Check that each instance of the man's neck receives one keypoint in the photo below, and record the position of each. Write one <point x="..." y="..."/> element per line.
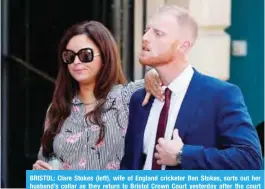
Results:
<point x="169" y="72"/>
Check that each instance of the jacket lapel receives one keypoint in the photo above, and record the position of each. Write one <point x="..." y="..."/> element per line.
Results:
<point x="143" y="117"/>
<point x="143" y="113"/>
<point x="189" y="105"/>
<point x="188" y="109"/>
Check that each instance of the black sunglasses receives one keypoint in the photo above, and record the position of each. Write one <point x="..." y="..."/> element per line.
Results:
<point x="85" y="55"/>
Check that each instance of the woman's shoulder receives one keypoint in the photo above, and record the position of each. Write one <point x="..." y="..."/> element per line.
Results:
<point x="115" y="92"/>
<point x="114" y="97"/>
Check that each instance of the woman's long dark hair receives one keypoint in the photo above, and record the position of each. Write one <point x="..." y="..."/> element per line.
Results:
<point x="66" y="87"/>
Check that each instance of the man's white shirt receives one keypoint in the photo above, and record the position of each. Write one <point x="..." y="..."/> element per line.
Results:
<point x="178" y="88"/>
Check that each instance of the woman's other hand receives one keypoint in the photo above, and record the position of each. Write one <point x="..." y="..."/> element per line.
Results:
<point x="41" y="165"/>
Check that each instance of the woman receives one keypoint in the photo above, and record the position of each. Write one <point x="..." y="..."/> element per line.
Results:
<point x="86" y="122"/>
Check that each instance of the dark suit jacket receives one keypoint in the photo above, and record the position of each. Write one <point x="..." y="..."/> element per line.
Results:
<point x="213" y="123"/>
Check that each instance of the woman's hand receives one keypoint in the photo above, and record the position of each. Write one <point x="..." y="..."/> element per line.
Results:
<point x="153" y="85"/>
<point x="41" y="165"/>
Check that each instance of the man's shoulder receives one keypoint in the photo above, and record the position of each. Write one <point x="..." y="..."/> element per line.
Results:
<point x="214" y="84"/>
<point x="138" y="95"/>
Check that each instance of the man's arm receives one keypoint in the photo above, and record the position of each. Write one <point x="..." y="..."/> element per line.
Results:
<point x="240" y="144"/>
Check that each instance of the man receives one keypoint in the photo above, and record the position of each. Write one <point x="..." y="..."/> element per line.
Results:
<point x="203" y="122"/>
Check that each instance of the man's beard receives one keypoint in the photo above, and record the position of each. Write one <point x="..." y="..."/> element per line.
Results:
<point x="159" y="60"/>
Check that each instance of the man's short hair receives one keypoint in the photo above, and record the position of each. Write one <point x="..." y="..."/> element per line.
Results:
<point x="186" y="22"/>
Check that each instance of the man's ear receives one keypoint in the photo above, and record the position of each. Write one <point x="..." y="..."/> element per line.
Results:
<point x="184" y="47"/>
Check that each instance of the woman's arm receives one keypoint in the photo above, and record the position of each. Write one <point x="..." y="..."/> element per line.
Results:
<point x="151" y="83"/>
<point x="128" y="89"/>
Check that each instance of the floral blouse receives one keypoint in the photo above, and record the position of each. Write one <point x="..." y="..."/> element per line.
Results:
<point x="75" y="146"/>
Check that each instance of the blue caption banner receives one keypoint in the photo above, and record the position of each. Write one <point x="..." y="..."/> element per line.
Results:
<point x="220" y="179"/>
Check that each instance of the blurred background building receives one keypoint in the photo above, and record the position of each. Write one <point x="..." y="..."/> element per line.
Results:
<point x="230" y="47"/>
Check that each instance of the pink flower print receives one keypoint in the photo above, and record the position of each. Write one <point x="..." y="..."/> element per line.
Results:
<point x="124" y="131"/>
<point x="76" y="109"/>
<point x="94" y="128"/>
<point x="113" y="165"/>
<point x="66" y="165"/>
<point x="100" y="144"/>
<point x="82" y="163"/>
<point x="73" y="138"/>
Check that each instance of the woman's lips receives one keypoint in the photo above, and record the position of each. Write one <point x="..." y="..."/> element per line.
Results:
<point x="78" y="70"/>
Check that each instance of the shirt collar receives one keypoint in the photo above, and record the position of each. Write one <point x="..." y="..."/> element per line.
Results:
<point x="181" y="82"/>
<point x="76" y="100"/>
